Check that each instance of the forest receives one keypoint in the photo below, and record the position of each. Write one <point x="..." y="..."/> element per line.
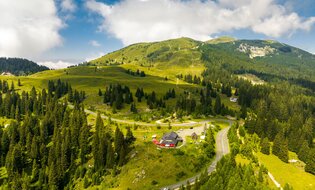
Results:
<point x="281" y="112"/>
<point x="49" y="145"/>
<point x="18" y="66"/>
<point x="198" y="102"/>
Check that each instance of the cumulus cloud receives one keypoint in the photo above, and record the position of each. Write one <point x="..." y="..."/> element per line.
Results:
<point x="94" y="43"/>
<point x="28" y="28"/>
<point x="68" y="5"/>
<point x="56" y="64"/>
<point x="152" y="20"/>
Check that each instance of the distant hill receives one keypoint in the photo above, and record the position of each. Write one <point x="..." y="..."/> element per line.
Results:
<point x="18" y="66"/>
<point x="181" y="52"/>
<point x="267" y="59"/>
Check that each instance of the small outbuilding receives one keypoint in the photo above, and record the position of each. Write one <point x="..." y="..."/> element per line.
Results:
<point x="233" y="99"/>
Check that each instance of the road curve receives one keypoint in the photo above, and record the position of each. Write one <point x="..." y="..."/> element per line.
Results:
<point x="222" y="142"/>
<point x="190" y="124"/>
<point x="222" y="148"/>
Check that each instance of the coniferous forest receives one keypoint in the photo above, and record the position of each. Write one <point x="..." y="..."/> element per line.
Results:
<point x="18" y="66"/>
<point x="49" y="145"/>
<point x="78" y="132"/>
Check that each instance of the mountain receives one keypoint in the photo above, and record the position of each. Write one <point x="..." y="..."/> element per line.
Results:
<point x="182" y="51"/>
<point x="267" y="59"/>
<point x="18" y="66"/>
<point x="92" y="126"/>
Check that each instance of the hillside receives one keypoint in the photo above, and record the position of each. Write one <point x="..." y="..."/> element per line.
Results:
<point x="18" y="66"/>
<point x="146" y="90"/>
<point x="267" y="59"/>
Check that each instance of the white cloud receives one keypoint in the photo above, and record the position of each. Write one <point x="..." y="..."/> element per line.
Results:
<point x="28" y="28"/>
<point x="94" y="43"/>
<point x="68" y="5"/>
<point x="56" y="64"/>
<point x="152" y="20"/>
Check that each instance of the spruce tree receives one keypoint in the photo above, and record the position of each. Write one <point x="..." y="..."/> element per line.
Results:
<point x="110" y="159"/>
<point x="265" y="146"/>
<point x="217" y="105"/>
<point x="280" y="147"/>
<point x="304" y="151"/>
<point x="310" y="162"/>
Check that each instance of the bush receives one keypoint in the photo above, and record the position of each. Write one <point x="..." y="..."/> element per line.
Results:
<point x="154" y="182"/>
<point x="180" y="174"/>
<point x="86" y="183"/>
<point x="179" y="153"/>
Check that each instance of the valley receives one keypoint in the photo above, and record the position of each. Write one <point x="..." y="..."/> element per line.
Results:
<point x="100" y="124"/>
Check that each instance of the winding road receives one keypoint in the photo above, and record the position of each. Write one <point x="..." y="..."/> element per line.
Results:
<point x="222" y="142"/>
<point x="222" y="148"/>
<point x="147" y="124"/>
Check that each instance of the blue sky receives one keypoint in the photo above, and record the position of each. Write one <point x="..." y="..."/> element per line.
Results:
<point x="64" y="32"/>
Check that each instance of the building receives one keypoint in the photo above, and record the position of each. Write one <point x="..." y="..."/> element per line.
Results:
<point x="170" y="140"/>
<point x="233" y="99"/>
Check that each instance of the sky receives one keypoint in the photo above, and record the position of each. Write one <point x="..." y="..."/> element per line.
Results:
<point x="60" y="33"/>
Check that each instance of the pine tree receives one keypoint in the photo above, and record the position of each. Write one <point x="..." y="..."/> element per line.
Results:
<point x="84" y="143"/>
<point x="12" y="87"/>
<point x="96" y="141"/>
<point x="280" y="147"/>
<point x="265" y="146"/>
<point x="110" y="159"/>
<point x="129" y="137"/>
<point x="133" y="108"/>
<point x="217" y="105"/>
<point x="304" y="151"/>
<point x="35" y="172"/>
<point x="310" y="162"/>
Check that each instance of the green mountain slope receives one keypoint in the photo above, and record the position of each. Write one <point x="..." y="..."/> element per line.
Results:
<point x="270" y="55"/>
<point x="267" y="59"/>
<point x="259" y="55"/>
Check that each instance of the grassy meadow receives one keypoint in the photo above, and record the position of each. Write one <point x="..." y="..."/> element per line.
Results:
<point x="290" y="173"/>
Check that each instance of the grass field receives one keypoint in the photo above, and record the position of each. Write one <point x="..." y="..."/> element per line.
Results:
<point x="287" y="173"/>
<point x="151" y="167"/>
<point x="91" y="79"/>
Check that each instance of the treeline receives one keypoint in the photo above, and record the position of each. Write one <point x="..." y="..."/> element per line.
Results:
<point x="5" y="87"/>
<point x="14" y="105"/>
<point x="190" y="78"/>
<point x="136" y="73"/>
<point x="303" y="82"/>
<point x="187" y="103"/>
<point x="18" y="66"/>
<point x="229" y="175"/>
<point x="283" y="116"/>
<point x="198" y="102"/>
<point x="282" y="113"/>
<point x="61" y="88"/>
<point x="116" y="96"/>
<point x="49" y="146"/>
<point x="224" y="88"/>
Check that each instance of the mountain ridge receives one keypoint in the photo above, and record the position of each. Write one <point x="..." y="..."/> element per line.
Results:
<point x="239" y="56"/>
